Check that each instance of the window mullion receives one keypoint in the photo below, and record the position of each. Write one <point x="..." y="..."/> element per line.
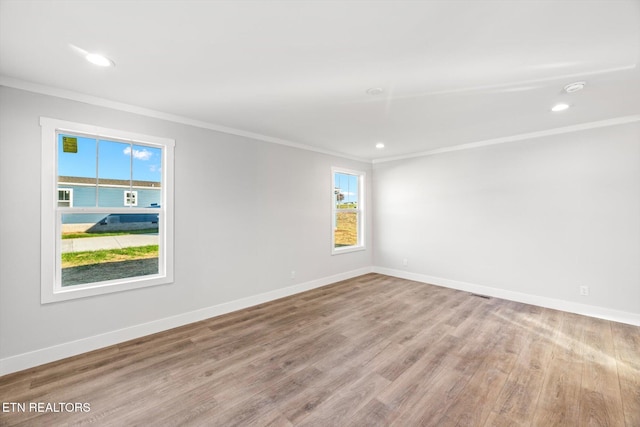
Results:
<point x="97" y="171"/>
<point x="131" y="175"/>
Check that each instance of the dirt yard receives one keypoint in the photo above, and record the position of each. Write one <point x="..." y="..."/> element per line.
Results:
<point x="108" y="271"/>
<point x="346" y="231"/>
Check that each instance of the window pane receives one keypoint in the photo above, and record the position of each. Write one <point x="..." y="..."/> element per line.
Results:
<point x="100" y="247"/>
<point x="147" y="175"/>
<point x="346" y="229"/>
<point x="114" y="172"/>
<point x="77" y="169"/>
<point x="346" y="191"/>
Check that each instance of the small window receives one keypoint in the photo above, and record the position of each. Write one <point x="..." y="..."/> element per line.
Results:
<point x="65" y="197"/>
<point x="131" y="198"/>
<point x="347" y="211"/>
<point x="107" y="210"/>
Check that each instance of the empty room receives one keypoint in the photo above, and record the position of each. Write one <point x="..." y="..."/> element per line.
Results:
<point x="320" y="213"/>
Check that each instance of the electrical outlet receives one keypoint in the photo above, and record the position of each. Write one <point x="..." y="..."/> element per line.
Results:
<point x="405" y="262"/>
<point x="293" y="274"/>
<point x="584" y="290"/>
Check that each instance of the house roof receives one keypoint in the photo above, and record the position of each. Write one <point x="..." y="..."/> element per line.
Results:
<point x="106" y="182"/>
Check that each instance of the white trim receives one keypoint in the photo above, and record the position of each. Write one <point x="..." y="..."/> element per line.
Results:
<point x="121" y="106"/>
<point x="515" y="138"/>
<point x="51" y="289"/>
<point x="49" y="354"/>
<point x="138" y="187"/>
<point x="109" y="210"/>
<point x="107" y="133"/>
<point x="556" y="304"/>
<point x="101" y="102"/>
<point x="347" y="249"/>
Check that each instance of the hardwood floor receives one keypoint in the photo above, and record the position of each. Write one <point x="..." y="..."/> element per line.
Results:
<point x="369" y="351"/>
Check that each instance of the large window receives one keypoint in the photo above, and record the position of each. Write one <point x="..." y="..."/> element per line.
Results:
<point x="347" y="210"/>
<point x="107" y="210"/>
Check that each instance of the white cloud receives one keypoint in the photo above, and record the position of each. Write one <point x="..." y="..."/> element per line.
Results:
<point x="138" y="154"/>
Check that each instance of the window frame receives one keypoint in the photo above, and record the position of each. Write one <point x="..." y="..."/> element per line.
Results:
<point x="135" y="197"/>
<point x="51" y="214"/>
<point x="360" y="211"/>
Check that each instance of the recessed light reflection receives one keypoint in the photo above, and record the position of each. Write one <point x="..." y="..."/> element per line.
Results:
<point x="559" y="107"/>
<point x="99" y="60"/>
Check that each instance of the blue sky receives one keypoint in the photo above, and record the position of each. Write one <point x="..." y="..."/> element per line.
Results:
<point x="348" y="185"/>
<point x="114" y="160"/>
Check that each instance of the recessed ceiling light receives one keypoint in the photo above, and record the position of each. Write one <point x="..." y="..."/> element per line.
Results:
<point x="375" y="91"/>
<point x="559" y="107"/>
<point x="379" y="145"/>
<point x="574" y="87"/>
<point x="100" y="60"/>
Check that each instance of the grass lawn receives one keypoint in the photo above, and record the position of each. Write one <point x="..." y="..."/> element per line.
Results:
<point x="108" y="233"/>
<point x="75" y="259"/>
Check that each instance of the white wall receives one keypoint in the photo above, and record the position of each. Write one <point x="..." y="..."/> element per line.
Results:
<point x="530" y="220"/>
<point x="247" y="212"/>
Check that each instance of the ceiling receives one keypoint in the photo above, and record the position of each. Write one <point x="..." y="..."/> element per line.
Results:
<point x="451" y="72"/>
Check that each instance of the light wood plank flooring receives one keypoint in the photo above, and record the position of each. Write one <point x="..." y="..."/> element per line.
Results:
<point x="370" y="351"/>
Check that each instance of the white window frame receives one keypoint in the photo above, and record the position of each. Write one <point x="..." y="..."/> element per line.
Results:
<point x="135" y="197"/>
<point x="360" y="210"/>
<point x="70" y="190"/>
<point x="51" y="214"/>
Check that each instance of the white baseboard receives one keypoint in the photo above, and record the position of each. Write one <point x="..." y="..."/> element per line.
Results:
<point x="556" y="304"/>
<point x="73" y="348"/>
<point x="68" y="349"/>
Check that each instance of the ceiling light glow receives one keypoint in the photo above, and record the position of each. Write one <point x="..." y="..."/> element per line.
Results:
<point x="559" y="107"/>
<point x="379" y="145"/>
<point x="99" y="60"/>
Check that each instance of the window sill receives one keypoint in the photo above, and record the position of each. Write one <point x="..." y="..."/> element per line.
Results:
<point x="102" y="288"/>
<point x="347" y="249"/>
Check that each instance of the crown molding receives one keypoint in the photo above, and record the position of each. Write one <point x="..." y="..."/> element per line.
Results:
<point x="107" y="103"/>
<point x="520" y="137"/>
<point x="121" y="106"/>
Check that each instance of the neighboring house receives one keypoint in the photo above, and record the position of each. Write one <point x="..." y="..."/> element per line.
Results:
<point x="107" y="193"/>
